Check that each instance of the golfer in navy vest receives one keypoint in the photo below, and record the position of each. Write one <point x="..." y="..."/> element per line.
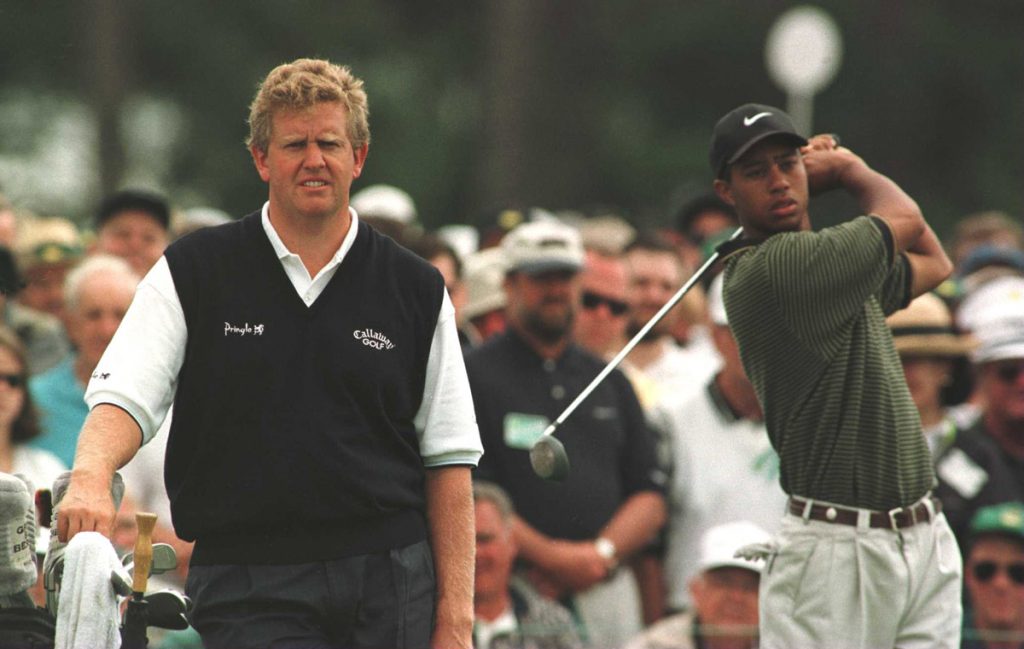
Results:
<point x="323" y="430"/>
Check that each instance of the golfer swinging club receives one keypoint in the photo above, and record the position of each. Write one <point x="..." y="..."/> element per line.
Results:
<point x="864" y="558"/>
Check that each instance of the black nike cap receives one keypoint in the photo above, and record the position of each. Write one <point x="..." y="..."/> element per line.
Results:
<point x="742" y="128"/>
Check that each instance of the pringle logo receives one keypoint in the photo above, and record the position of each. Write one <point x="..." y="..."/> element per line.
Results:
<point x="243" y="330"/>
<point x="373" y="338"/>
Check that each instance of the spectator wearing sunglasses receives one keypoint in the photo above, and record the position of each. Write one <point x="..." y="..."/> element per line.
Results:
<point x="994" y="579"/>
<point x="18" y="420"/>
<point x="969" y="467"/>
<point x="600" y="325"/>
<point x="995" y="315"/>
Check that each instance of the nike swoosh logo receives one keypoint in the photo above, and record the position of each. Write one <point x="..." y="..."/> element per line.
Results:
<point x="747" y="121"/>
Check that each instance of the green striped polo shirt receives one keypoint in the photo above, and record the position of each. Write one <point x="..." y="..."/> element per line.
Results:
<point x="808" y="311"/>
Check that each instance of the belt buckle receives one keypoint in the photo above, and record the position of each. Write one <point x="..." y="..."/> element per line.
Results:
<point x="893" y="513"/>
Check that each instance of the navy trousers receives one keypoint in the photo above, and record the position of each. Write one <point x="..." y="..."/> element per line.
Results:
<point x="382" y="600"/>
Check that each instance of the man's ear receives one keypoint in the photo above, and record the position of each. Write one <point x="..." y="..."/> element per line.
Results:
<point x="724" y="191"/>
<point x="259" y="158"/>
<point x="360" y="159"/>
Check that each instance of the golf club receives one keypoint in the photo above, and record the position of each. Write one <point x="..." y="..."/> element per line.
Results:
<point x="164" y="560"/>
<point x="548" y="456"/>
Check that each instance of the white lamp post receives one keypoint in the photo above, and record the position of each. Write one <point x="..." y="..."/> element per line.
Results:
<point x="802" y="53"/>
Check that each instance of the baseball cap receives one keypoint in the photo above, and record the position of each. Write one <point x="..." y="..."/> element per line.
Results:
<point x="1005" y="518"/>
<point x="925" y="328"/>
<point x="743" y="127"/>
<point x="543" y="246"/>
<point x="994" y="313"/>
<point x="988" y="255"/>
<point x="134" y="200"/>
<point x="384" y="202"/>
<point x="719" y="545"/>
<point x="483" y="273"/>
<point x="51" y="240"/>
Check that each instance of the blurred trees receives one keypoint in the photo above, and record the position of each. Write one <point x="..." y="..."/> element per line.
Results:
<point x="478" y="105"/>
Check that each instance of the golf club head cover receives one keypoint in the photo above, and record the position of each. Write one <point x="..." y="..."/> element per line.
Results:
<point x="18" y="534"/>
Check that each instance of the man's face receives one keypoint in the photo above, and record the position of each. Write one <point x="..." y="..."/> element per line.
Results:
<point x="543" y="304"/>
<point x="103" y="299"/>
<point x="725" y="599"/>
<point x="601" y="323"/>
<point x="996" y="596"/>
<point x="1002" y="385"/>
<point x="654" y="277"/>
<point x="137" y="237"/>
<point x="495" y="552"/>
<point x="768" y="188"/>
<point x="44" y="288"/>
<point x="309" y="162"/>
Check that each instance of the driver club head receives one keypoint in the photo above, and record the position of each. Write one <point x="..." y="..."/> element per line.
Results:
<point x="549" y="459"/>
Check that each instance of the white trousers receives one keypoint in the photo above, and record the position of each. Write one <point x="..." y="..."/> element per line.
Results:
<point x="835" y="586"/>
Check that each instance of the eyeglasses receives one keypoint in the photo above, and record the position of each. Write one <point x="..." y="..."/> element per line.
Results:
<point x="13" y="380"/>
<point x="1008" y="372"/>
<point x="593" y="300"/>
<point x="984" y="571"/>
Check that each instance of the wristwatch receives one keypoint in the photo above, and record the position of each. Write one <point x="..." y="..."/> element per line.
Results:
<point x="606" y="550"/>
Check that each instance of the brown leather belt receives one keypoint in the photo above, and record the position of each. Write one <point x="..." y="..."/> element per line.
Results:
<point x="898" y="518"/>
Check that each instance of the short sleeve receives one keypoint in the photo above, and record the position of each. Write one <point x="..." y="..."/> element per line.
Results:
<point x="821" y="280"/>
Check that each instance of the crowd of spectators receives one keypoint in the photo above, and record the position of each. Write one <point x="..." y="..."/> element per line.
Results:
<point x="672" y="471"/>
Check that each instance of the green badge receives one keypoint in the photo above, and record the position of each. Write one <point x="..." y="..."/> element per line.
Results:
<point x="522" y="430"/>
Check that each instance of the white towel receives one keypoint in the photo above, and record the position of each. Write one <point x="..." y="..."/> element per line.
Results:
<point x="88" y="614"/>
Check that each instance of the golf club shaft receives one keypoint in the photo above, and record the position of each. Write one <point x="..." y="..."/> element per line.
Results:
<point x="637" y="338"/>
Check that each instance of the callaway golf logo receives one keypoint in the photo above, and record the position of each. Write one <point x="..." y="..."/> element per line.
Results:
<point x="373" y="338"/>
<point x="749" y="121"/>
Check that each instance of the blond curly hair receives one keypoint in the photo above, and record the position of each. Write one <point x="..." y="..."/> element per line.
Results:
<point x="302" y="84"/>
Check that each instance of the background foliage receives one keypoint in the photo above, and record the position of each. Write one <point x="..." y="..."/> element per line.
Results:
<point x="478" y="105"/>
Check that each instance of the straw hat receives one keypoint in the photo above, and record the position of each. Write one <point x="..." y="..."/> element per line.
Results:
<point x="51" y="240"/>
<point x="925" y="328"/>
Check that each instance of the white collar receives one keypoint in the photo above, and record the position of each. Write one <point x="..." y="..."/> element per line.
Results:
<point x="282" y="251"/>
<point x="485" y="631"/>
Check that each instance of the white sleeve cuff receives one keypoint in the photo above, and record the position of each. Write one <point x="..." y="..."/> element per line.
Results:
<point x="472" y="458"/>
<point x="143" y="418"/>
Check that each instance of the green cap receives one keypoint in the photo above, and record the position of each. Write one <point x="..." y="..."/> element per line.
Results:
<point x="1006" y="518"/>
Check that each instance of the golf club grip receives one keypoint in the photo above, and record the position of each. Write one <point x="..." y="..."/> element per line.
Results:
<point x="143" y="551"/>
